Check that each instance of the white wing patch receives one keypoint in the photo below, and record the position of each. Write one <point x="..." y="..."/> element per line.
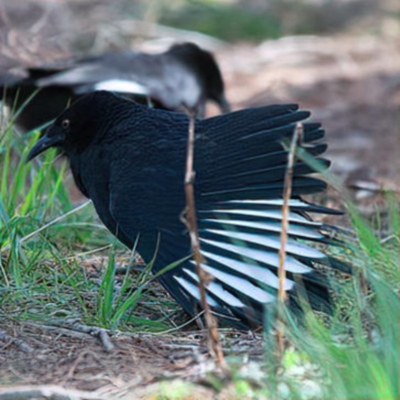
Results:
<point x="122" y="86"/>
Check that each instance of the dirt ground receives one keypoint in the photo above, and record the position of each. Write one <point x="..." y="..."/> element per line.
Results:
<point x="352" y="86"/>
<point x="49" y="355"/>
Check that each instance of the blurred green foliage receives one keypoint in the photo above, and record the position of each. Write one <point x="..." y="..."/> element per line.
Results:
<point x="230" y="22"/>
<point x="259" y="20"/>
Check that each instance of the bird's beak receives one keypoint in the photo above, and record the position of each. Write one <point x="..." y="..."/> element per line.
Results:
<point x="45" y="142"/>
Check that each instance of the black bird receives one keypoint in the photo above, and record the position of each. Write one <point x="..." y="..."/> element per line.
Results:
<point x="130" y="160"/>
<point x="184" y="77"/>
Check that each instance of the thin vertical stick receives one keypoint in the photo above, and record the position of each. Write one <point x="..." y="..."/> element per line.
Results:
<point x="287" y="193"/>
<point x="213" y="341"/>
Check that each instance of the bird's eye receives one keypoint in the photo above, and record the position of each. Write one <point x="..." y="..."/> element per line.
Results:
<point x="65" y="123"/>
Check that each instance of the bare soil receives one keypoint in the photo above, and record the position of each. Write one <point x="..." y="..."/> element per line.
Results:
<point x="41" y="354"/>
<point x="351" y="85"/>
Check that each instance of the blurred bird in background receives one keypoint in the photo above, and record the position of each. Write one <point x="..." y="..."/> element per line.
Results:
<point x="183" y="78"/>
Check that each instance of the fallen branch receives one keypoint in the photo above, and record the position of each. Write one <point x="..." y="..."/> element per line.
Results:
<point x="75" y="329"/>
<point x="25" y="347"/>
<point x="100" y="333"/>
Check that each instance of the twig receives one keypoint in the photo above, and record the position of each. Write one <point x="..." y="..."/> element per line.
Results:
<point x="18" y="342"/>
<point x="105" y="339"/>
<point x="58" y="330"/>
<point x="287" y="194"/>
<point x="46" y="391"/>
<point x="213" y="341"/>
<point x="75" y="329"/>
<point x="100" y="333"/>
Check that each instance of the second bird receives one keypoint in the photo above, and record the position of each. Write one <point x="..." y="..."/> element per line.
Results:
<point x="184" y="78"/>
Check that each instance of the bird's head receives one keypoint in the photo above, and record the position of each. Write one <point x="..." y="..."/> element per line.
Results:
<point x="80" y="125"/>
<point x="203" y="63"/>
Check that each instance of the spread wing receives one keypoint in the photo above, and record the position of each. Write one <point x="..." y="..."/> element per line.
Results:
<point x="240" y="163"/>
